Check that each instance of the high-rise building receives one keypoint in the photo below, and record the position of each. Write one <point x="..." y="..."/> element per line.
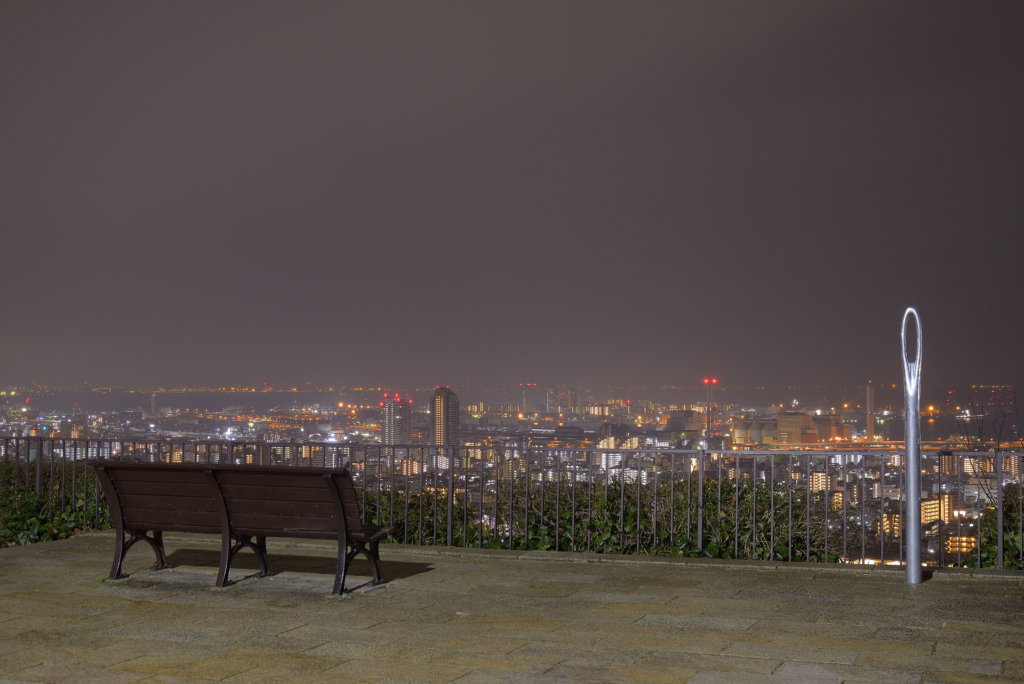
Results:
<point x="937" y="508"/>
<point x="444" y="418"/>
<point x="395" y="419"/>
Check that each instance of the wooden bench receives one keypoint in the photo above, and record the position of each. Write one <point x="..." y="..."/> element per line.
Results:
<point x="243" y="504"/>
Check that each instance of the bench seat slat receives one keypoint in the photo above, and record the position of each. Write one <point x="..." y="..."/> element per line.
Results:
<point x="300" y="509"/>
<point x="171" y="527"/>
<point x="290" y="533"/>
<point x="204" y="504"/>
<point x="283" y="493"/>
<point x="186" y="489"/>
<point x="309" y="480"/>
<point x="148" y="518"/>
<point x="270" y="523"/>
<point x="165" y="475"/>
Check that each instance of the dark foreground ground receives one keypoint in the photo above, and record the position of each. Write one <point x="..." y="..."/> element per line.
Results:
<point x="451" y="615"/>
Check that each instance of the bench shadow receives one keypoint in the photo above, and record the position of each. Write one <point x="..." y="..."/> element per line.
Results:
<point x="245" y="562"/>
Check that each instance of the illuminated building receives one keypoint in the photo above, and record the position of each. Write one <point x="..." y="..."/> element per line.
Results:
<point x="444" y="418"/>
<point x="395" y="419"/>
<point x="830" y="426"/>
<point x="961" y="544"/>
<point x="795" y="428"/>
<point x="411" y="467"/>
<point x="890" y="523"/>
<point x="938" y="508"/>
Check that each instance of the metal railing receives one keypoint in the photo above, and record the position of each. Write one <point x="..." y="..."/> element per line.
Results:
<point x="776" y="505"/>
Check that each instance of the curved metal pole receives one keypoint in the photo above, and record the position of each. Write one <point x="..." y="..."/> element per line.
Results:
<point x="912" y="464"/>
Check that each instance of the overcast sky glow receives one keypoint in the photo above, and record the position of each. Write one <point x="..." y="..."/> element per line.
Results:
<point x="416" y="193"/>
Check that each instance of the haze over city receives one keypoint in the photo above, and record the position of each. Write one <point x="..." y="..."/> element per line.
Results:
<point x="410" y="195"/>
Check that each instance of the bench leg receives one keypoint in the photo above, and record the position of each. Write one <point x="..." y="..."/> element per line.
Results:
<point x="374" y="554"/>
<point x="121" y="546"/>
<point x="261" y="554"/>
<point x="157" y="542"/>
<point x="339" y="576"/>
<point x="228" y="551"/>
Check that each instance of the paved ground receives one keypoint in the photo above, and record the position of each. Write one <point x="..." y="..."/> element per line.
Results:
<point x="494" y="616"/>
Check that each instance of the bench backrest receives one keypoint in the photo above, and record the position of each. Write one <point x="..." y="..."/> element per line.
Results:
<point x="162" y="497"/>
<point x="264" y="501"/>
<point x="286" y="502"/>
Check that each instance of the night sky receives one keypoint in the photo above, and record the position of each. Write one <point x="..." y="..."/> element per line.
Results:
<point x="629" y="193"/>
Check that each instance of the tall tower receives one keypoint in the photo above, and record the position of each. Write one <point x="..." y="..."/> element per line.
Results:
<point x="395" y="419"/>
<point x="445" y="417"/>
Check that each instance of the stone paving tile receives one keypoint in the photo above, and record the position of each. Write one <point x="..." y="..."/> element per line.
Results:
<point x="182" y="666"/>
<point x="701" y="621"/>
<point x="480" y="644"/>
<point x="919" y="648"/>
<point x="50" y="671"/>
<point x="1010" y="631"/>
<point x="17" y="656"/>
<point x="783" y="625"/>
<point x="1014" y="668"/>
<point x="833" y="672"/>
<point x="713" y="677"/>
<point x="596" y="616"/>
<point x="617" y="672"/>
<point x="789" y="652"/>
<point x="960" y="678"/>
<point x="551" y="589"/>
<point x="475" y="661"/>
<point x="319" y="632"/>
<point x="977" y="666"/>
<point x="792" y="595"/>
<point x="583" y="574"/>
<point x="526" y="624"/>
<point x="694" y="642"/>
<point x="955" y="649"/>
<point x="635" y="611"/>
<point x="575" y="633"/>
<point x="730" y="607"/>
<point x="489" y="676"/>
<point x="374" y="670"/>
<point x="651" y="598"/>
<point x="708" y="661"/>
<point x="168" y="679"/>
<point x="579" y="652"/>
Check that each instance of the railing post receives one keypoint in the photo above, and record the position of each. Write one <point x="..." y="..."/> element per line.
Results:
<point x="700" y="500"/>
<point x="912" y="389"/>
<point x="450" y="453"/>
<point x="39" y="466"/>
<point x="999" y="508"/>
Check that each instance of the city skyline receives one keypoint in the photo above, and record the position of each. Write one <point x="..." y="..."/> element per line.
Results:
<point x="411" y="196"/>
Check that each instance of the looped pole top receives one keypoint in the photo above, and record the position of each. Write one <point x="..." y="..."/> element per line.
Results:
<point x="911" y="368"/>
